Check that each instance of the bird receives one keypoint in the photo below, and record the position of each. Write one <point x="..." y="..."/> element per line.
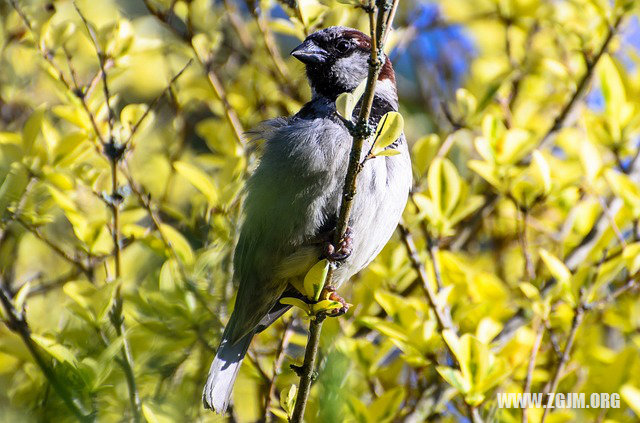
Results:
<point x="292" y="198"/>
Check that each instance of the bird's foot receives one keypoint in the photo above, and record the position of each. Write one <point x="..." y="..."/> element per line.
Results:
<point x="343" y="250"/>
<point x="330" y="293"/>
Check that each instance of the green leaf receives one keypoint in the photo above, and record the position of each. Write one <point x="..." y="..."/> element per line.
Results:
<point x="31" y="128"/>
<point x="149" y="415"/>
<point x="178" y="242"/>
<point x="55" y="350"/>
<point x="288" y="400"/>
<point x="591" y="160"/>
<point x="466" y="101"/>
<point x="198" y="179"/>
<point x="315" y="278"/>
<point x="624" y="187"/>
<point x="492" y="129"/>
<point x="384" y="408"/>
<point x="541" y="171"/>
<point x="529" y="290"/>
<point x="132" y="113"/>
<point x="169" y="274"/>
<point x="631" y="395"/>
<point x="454" y="378"/>
<point x="470" y="205"/>
<point x="556" y="267"/>
<point x="613" y="92"/>
<point x="388" y="152"/>
<point x="423" y="152"/>
<point x="390" y="329"/>
<point x="13" y="186"/>
<point x="631" y="256"/>
<point x="346" y="102"/>
<point x="444" y="184"/>
<point x="21" y="296"/>
<point x="487" y="171"/>
<point x="389" y="130"/>
<point x="325" y="305"/>
<point x="484" y="148"/>
<point x="296" y="302"/>
<point x="513" y="146"/>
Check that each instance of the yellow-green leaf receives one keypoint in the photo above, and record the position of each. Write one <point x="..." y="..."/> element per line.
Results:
<point x="631" y="256"/>
<point x="389" y="130"/>
<point x="54" y="349"/>
<point x="467" y="103"/>
<point x="21" y="296"/>
<point x="178" y="242"/>
<point x="631" y="395"/>
<point x="315" y="278"/>
<point x="591" y="160"/>
<point x="198" y="179"/>
<point x="296" y="302"/>
<point x="556" y="267"/>
<point x="454" y="378"/>
<point x="288" y="400"/>
<point x="541" y="171"/>
<point x="624" y="187"/>
<point x="325" y="305"/>
<point x="345" y="103"/>
<point x="388" y="152"/>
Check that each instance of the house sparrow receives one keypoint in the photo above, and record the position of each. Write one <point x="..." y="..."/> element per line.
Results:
<point x="293" y="197"/>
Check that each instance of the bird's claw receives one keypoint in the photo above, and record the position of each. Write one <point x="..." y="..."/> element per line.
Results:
<point x="344" y="248"/>
<point x="331" y="294"/>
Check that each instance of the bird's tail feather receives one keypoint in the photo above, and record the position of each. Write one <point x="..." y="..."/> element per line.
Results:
<point x="223" y="373"/>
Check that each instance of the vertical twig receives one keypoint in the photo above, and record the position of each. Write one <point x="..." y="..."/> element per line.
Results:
<point x="378" y="28"/>
<point x="532" y="364"/>
<point x="575" y="324"/>
<point x="113" y="151"/>
<point x="583" y="83"/>
<point x="442" y="314"/>
<point x="529" y="267"/>
<point x="287" y="333"/>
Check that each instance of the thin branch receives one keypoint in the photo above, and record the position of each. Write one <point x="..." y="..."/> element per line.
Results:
<point x="155" y="101"/>
<point x="17" y="323"/>
<point x="287" y="333"/>
<point x="575" y="324"/>
<point x="298" y="12"/>
<point x="441" y="317"/>
<point x="101" y="60"/>
<point x="113" y="153"/>
<point x="532" y="364"/>
<point x="629" y="285"/>
<point x="218" y="89"/>
<point x="238" y="26"/>
<point x="58" y="250"/>
<point x="582" y="85"/>
<point x="442" y="314"/>
<point x="267" y="38"/>
<point x="308" y="372"/>
<point x="579" y="254"/>
<point x="612" y="220"/>
<point x="378" y="29"/>
<point x="530" y="269"/>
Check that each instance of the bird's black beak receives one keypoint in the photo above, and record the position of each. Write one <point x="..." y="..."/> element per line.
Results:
<point x="309" y="53"/>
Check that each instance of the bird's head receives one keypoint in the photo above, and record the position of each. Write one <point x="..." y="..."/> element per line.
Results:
<point x="337" y="60"/>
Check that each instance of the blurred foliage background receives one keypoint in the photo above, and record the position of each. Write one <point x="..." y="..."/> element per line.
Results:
<point x="120" y="205"/>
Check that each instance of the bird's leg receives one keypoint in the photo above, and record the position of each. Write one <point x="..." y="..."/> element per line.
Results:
<point x="343" y="250"/>
<point x="329" y="292"/>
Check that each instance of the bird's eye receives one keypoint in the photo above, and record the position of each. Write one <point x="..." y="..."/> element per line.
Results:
<point x="343" y="46"/>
